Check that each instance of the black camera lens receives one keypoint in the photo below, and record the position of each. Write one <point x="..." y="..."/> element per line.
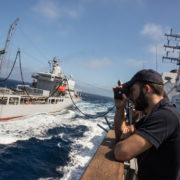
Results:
<point x="119" y="91"/>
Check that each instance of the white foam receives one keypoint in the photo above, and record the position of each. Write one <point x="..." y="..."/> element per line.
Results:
<point x="38" y="125"/>
<point x="81" y="157"/>
<point x="32" y="126"/>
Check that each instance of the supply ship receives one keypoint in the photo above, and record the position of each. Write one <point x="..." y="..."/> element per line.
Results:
<point x="51" y="92"/>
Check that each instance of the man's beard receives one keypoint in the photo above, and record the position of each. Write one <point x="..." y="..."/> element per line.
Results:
<point x="141" y="102"/>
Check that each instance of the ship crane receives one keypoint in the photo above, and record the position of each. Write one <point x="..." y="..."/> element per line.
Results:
<point x="4" y="51"/>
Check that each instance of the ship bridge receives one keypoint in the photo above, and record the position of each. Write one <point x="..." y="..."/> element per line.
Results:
<point x="50" y="80"/>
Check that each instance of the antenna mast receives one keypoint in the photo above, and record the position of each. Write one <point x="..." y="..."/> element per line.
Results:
<point x="171" y="47"/>
<point x="4" y="51"/>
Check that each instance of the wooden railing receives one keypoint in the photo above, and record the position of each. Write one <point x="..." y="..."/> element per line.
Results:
<point x="103" y="166"/>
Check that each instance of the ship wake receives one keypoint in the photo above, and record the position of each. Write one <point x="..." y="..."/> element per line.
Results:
<point x="52" y="146"/>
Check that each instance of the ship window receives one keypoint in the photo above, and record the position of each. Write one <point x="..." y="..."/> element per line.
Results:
<point x="52" y="101"/>
<point x="22" y="101"/>
<point x="13" y="100"/>
<point x="3" y="100"/>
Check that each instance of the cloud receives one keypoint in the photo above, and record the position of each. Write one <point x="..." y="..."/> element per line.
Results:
<point x="136" y="63"/>
<point x="96" y="63"/>
<point x="139" y="2"/>
<point x="73" y="12"/>
<point x="48" y="9"/>
<point x="53" y="9"/>
<point x="154" y="31"/>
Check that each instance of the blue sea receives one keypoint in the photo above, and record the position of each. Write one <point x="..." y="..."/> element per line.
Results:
<point x="53" y="146"/>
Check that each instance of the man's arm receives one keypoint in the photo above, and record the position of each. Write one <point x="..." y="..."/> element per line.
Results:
<point x="131" y="147"/>
<point x="119" y="121"/>
<point x="122" y="130"/>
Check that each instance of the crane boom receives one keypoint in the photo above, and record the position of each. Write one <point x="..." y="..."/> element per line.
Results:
<point x="4" y="51"/>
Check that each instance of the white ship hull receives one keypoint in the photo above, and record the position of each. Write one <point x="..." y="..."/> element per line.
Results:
<point x="8" y="112"/>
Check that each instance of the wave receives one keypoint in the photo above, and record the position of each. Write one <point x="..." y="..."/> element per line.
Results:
<point x="52" y="146"/>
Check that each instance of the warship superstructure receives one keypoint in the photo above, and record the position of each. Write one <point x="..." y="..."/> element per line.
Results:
<point x="172" y="78"/>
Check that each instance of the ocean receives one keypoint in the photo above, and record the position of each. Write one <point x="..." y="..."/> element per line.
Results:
<point x="53" y="146"/>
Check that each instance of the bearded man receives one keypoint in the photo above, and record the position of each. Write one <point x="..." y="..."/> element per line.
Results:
<point x="155" y="139"/>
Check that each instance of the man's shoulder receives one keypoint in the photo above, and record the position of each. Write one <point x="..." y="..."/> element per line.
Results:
<point x="163" y="114"/>
<point x="166" y="111"/>
<point x="167" y="117"/>
<point x="159" y="125"/>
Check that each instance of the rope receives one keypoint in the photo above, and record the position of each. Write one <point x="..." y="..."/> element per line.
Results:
<point x="87" y="115"/>
<point x="22" y="74"/>
<point x="11" y="70"/>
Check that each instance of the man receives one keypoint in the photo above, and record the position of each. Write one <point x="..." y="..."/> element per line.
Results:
<point x="154" y="139"/>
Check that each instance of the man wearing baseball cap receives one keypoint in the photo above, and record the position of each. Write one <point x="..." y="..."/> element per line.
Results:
<point x="155" y="139"/>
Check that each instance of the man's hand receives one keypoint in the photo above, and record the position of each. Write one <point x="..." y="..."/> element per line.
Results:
<point x="126" y="130"/>
<point x="120" y="103"/>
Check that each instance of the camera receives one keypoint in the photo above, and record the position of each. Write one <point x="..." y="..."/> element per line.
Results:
<point x="118" y="91"/>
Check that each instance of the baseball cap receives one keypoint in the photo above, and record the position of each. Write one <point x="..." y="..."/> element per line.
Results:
<point x="145" y="75"/>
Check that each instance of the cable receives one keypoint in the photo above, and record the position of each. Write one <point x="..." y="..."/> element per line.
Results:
<point x="22" y="74"/>
<point x="11" y="69"/>
<point x="87" y="115"/>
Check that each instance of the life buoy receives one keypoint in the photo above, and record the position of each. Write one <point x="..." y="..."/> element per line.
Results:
<point x="62" y="88"/>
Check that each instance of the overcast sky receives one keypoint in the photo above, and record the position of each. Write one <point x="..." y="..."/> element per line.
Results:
<point x="98" y="41"/>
